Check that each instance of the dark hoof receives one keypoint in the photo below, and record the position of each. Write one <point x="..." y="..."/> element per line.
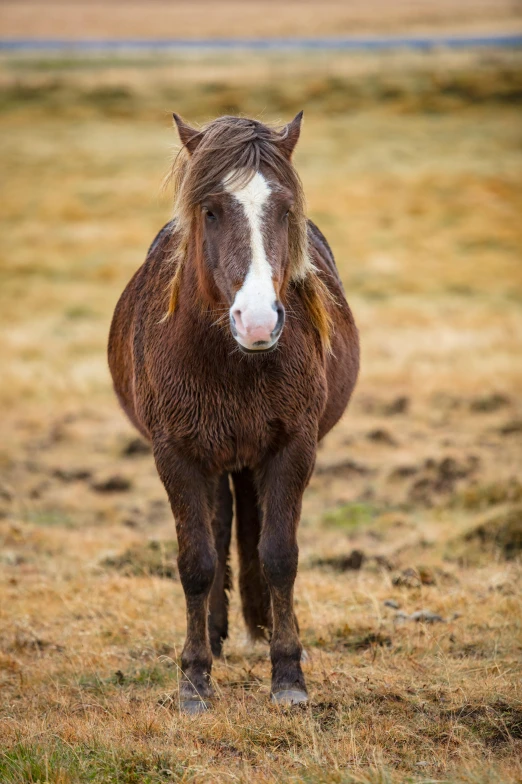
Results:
<point x="194" y="706"/>
<point x="290" y="697"/>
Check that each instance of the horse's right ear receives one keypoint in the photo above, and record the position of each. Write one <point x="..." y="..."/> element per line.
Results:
<point x="290" y="135"/>
<point x="190" y="137"/>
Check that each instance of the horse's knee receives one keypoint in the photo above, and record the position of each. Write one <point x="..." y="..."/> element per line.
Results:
<point x="279" y="562"/>
<point x="197" y="568"/>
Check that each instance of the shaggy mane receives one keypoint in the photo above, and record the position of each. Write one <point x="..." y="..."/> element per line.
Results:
<point x="241" y="146"/>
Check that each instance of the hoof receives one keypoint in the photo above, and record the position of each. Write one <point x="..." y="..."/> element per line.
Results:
<point x="290" y="697"/>
<point x="194" y="706"/>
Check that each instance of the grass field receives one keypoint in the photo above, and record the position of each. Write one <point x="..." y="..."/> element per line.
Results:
<point x="412" y="167"/>
<point x="251" y="18"/>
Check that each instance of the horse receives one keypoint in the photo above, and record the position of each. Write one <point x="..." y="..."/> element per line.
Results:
<point x="233" y="351"/>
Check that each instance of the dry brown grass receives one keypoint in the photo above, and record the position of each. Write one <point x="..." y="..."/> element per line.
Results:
<point x="420" y="195"/>
<point x="252" y="18"/>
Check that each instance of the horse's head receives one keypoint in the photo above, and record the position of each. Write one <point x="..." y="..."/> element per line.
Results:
<point x="240" y="198"/>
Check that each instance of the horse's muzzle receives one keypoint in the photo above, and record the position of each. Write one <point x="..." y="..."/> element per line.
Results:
<point x="260" y="337"/>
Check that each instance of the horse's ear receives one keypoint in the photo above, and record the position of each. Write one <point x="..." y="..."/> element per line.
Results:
<point x="290" y="135"/>
<point x="190" y="137"/>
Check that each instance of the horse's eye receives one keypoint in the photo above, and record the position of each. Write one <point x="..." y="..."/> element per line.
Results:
<point x="209" y="214"/>
<point x="287" y="213"/>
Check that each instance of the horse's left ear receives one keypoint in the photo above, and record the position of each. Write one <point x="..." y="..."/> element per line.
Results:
<point x="290" y="135"/>
<point x="189" y="137"/>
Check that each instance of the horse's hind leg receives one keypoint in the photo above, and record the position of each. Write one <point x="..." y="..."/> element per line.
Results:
<point x="255" y="596"/>
<point x="222" y="529"/>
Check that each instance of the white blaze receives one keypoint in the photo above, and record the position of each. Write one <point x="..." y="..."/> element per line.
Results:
<point x="256" y="297"/>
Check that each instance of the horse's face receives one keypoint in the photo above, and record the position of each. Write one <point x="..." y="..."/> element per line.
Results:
<point x="246" y="242"/>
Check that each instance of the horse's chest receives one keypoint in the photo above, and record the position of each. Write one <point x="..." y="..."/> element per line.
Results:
<point x="234" y="423"/>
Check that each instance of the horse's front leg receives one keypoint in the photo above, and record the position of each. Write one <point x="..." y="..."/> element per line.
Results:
<point x="281" y="485"/>
<point x="192" y="496"/>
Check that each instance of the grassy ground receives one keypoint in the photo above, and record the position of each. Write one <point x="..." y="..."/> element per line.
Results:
<point x="252" y="18"/>
<point x="412" y="168"/>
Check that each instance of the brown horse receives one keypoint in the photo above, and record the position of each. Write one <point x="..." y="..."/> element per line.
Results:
<point x="233" y="399"/>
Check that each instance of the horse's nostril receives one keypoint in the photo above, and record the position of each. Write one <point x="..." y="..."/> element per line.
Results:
<point x="236" y="318"/>
<point x="279" y="309"/>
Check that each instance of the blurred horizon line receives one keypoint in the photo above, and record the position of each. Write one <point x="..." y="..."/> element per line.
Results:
<point x="349" y="43"/>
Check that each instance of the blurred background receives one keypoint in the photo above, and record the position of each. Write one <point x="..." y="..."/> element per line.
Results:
<point x="411" y="158"/>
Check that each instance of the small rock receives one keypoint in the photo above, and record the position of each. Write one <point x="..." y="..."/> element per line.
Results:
<point x="426" y="616"/>
<point x="391" y="603"/>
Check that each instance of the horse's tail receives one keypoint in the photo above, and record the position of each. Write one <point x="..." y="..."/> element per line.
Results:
<point x="255" y="596"/>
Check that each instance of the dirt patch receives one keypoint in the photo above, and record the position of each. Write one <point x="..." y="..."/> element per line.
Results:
<point x="511" y="428"/>
<point x="397" y="405"/>
<point x="72" y="474"/>
<point x="136" y="447"/>
<point x="487" y="403"/>
<point x="342" y="563"/>
<point x="439" y="478"/>
<point x="381" y="436"/>
<point x="346" y="468"/>
<point x="113" y="484"/>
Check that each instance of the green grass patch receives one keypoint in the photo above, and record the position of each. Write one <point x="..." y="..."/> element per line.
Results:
<point x="351" y="516"/>
<point x="58" y="762"/>
<point x="50" y="518"/>
<point x="158" y="673"/>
